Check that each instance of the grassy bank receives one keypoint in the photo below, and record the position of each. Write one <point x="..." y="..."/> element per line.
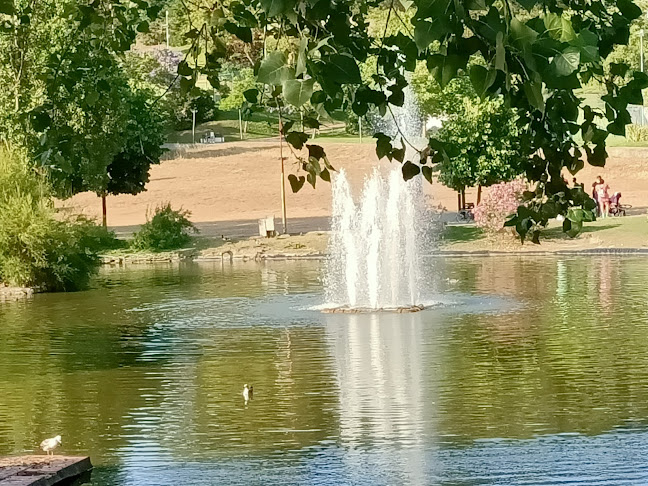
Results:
<point x="624" y="232"/>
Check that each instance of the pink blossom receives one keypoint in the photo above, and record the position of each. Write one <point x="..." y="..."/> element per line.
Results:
<point x="499" y="202"/>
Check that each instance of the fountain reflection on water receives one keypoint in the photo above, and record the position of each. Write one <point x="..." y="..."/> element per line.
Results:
<point x="376" y="242"/>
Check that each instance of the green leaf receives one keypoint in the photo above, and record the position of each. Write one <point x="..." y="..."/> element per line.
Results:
<point x="186" y="84"/>
<point x="298" y="91"/>
<point x="427" y="32"/>
<point x="297" y="139"/>
<point x="318" y="97"/>
<point x="40" y="120"/>
<point x="521" y="34"/>
<point x="628" y="9"/>
<point x="426" y="170"/>
<point x="7" y="7"/>
<point x="301" y="56"/>
<point x="143" y="27"/>
<point x="343" y="69"/>
<point x="243" y="33"/>
<point x="559" y="28"/>
<point x="444" y="68"/>
<point x="296" y="183"/>
<point x="566" y="62"/>
<point x="619" y="68"/>
<point x="572" y="228"/>
<point x="310" y="122"/>
<point x="500" y="52"/>
<point x="533" y="91"/>
<point x="575" y="215"/>
<point x="383" y="145"/>
<point x="410" y="170"/>
<point x="325" y="175"/>
<point x="251" y="95"/>
<point x="398" y="154"/>
<point x="481" y="78"/>
<point x="316" y="152"/>
<point x="92" y="97"/>
<point x="273" y="69"/>
<point x="184" y="69"/>
<point x="276" y="7"/>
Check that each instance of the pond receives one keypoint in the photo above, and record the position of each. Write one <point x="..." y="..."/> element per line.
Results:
<point x="524" y="371"/>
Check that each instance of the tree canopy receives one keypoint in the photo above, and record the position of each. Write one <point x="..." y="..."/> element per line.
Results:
<point x="530" y="54"/>
<point x="71" y="105"/>
<point x="482" y="145"/>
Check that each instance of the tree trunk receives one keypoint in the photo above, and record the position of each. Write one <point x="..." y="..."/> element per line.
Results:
<point x="478" y="194"/>
<point x="463" y="198"/>
<point x="458" y="200"/>
<point x="104" y="218"/>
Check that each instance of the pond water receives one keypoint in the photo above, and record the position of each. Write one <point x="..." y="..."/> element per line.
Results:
<point x="527" y="371"/>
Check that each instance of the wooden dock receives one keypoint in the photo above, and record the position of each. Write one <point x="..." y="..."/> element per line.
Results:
<point x="42" y="470"/>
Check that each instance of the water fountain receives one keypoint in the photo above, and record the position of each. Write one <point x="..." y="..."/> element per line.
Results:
<point x="375" y="243"/>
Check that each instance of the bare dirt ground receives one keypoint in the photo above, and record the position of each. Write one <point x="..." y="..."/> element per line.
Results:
<point x="238" y="182"/>
<point x="228" y="186"/>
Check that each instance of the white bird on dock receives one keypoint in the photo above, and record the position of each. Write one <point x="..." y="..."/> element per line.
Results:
<point x="246" y="393"/>
<point x="48" y="445"/>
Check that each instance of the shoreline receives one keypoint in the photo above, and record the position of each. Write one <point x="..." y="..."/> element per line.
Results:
<point x="314" y="246"/>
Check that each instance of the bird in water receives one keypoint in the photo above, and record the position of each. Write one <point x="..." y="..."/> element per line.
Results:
<point x="48" y="445"/>
<point x="246" y="393"/>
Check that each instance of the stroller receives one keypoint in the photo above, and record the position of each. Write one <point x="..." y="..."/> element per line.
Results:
<point x="616" y="208"/>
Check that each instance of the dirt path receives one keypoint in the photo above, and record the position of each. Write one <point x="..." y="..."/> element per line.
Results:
<point x="239" y="182"/>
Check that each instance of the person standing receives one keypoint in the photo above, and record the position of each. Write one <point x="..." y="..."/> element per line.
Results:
<point x="602" y="196"/>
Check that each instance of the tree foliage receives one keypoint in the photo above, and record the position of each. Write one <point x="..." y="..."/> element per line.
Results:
<point x="482" y="145"/>
<point x="71" y="104"/>
<point x="531" y="54"/>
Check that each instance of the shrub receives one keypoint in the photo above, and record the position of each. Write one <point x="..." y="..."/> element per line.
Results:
<point x="179" y="108"/>
<point x="168" y="229"/>
<point x="499" y="202"/>
<point x="36" y="248"/>
<point x="637" y="133"/>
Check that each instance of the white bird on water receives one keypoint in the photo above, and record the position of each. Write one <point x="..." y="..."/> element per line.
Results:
<point x="246" y="393"/>
<point x="48" y="445"/>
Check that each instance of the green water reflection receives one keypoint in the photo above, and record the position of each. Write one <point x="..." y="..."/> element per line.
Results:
<point x="146" y="370"/>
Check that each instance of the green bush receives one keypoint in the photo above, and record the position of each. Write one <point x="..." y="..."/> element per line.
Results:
<point x="637" y="133"/>
<point x="169" y="229"/>
<point x="36" y="248"/>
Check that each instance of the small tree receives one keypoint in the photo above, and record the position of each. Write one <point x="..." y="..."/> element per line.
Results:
<point x="483" y="146"/>
<point x="129" y="171"/>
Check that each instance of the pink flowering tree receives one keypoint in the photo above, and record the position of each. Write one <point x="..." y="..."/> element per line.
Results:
<point x="501" y="201"/>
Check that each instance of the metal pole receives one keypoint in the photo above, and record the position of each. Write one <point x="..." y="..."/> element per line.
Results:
<point x="360" y="128"/>
<point x="193" y="126"/>
<point x="641" y="50"/>
<point x="167" y="28"/>
<point x="283" y="178"/>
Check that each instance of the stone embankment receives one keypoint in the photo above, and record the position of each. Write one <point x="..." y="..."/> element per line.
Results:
<point x="282" y="247"/>
<point x="14" y="293"/>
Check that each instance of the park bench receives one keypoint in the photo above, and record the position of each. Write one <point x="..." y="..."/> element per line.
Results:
<point x="212" y="137"/>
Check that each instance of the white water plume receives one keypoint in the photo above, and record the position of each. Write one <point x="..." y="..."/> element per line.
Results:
<point x="374" y="249"/>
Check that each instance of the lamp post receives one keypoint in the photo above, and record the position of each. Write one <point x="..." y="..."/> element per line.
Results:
<point x="641" y="62"/>
<point x="193" y="126"/>
<point x="166" y="23"/>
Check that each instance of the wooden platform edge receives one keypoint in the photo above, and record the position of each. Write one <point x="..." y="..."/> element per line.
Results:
<point x="43" y="471"/>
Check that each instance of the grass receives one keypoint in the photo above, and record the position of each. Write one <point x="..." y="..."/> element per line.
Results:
<point x="623" y="232"/>
<point x="262" y="125"/>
